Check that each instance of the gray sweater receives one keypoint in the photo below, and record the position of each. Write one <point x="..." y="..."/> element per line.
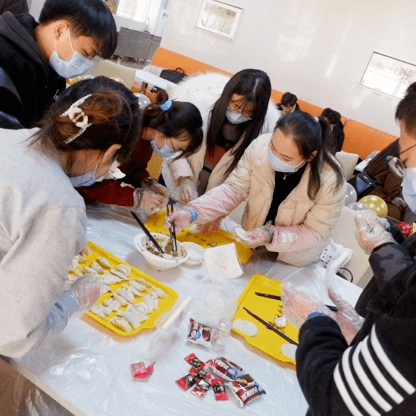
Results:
<point x="42" y="227"/>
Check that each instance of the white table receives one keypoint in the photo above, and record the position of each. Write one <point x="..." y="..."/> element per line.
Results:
<point x="88" y="372"/>
<point x="152" y="79"/>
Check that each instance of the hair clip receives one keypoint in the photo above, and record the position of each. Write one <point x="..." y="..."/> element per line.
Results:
<point x="166" y="105"/>
<point x="78" y="117"/>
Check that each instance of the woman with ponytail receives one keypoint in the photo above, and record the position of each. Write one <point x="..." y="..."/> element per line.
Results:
<point x="294" y="188"/>
<point x="82" y="138"/>
<point x="171" y="129"/>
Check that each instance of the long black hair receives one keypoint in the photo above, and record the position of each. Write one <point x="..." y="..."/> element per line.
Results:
<point x="311" y="134"/>
<point x="254" y="85"/>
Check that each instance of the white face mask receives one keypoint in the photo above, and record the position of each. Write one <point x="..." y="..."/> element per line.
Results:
<point x="409" y="188"/>
<point x="279" y="165"/>
<point x="89" y="178"/>
<point x="76" y="65"/>
<point x="234" y="117"/>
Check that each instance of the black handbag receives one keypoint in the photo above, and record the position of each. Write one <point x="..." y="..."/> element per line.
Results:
<point x="363" y="183"/>
<point x="173" y="75"/>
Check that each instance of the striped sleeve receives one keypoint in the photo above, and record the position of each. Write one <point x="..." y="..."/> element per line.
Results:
<point x="368" y="381"/>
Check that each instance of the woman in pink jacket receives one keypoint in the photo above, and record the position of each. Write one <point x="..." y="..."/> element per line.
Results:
<point x="294" y="188"/>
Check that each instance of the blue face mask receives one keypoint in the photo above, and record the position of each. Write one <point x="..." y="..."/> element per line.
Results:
<point x="164" y="151"/>
<point x="235" y="117"/>
<point x="76" y="65"/>
<point x="89" y="178"/>
<point x="279" y="165"/>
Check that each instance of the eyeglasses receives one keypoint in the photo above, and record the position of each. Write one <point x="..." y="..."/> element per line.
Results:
<point x="396" y="164"/>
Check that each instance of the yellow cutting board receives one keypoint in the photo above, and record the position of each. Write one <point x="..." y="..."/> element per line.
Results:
<point x="165" y="304"/>
<point x="155" y="223"/>
<point x="268" y="309"/>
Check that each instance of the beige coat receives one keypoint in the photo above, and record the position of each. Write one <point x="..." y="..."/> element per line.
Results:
<point x="254" y="180"/>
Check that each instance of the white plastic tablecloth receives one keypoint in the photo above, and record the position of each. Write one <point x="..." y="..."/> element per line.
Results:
<point x="88" y="372"/>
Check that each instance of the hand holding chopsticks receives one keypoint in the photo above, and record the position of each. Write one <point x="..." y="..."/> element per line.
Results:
<point x="147" y="232"/>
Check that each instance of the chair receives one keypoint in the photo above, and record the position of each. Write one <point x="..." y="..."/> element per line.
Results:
<point x="344" y="234"/>
<point x="133" y="44"/>
<point x="114" y="70"/>
<point x="348" y="161"/>
<point x="11" y="107"/>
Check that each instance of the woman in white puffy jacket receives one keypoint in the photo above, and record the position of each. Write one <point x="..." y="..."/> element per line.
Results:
<point x="234" y="112"/>
<point x="294" y="188"/>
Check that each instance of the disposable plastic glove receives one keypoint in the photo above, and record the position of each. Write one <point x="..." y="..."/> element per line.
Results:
<point x="369" y="217"/>
<point x="259" y="236"/>
<point x="187" y="190"/>
<point x="348" y="319"/>
<point x="371" y="236"/>
<point x="209" y="227"/>
<point x="297" y="306"/>
<point x="182" y="219"/>
<point x="87" y="291"/>
<point x="148" y="200"/>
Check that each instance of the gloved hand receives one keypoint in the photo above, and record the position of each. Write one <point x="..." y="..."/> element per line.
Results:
<point x="187" y="190"/>
<point x="348" y="319"/>
<point x="209" y="227"/>
<point x="369" y="217"/>
<point x="148" y="200"/>
<point x="87" y="291"/>
<point x="370" y="236"/>
<point x="297" y="306"/>
<point x="259" y="236"/>
<point x="182" y="219"/>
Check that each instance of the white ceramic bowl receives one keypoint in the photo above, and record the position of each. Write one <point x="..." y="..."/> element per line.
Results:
<point x="195" y="252"/>
<point x="156" y="262"/>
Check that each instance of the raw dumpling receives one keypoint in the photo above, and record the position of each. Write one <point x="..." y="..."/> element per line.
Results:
<point x="108" y="278"/>
<point x="131" y="317"/>
<point x="151" y="301"/>
<point x="158" y="292"/>
<point x="112" y="303"/>
<point x="133" y="309"/>
<point x="96" y="267"/>
<point x="144" y="282"/>
<point x="104" y="289"/>
<point x="280" y="321"/>
<point x="126" y="294"/>
<point x="88" y="270"/>
<point x="123" y="268"/>
<point x="134" y="290"/>
<point x="101" y="310"/>
<point x="137" y="285"/>
<point x="143" y="308"/>
<point x="121" y="323"/>
<point x="117" y="273"/>
<point x="74" y="263"/>
<point x="120" y="299"/>
<point x="104" y="262"/>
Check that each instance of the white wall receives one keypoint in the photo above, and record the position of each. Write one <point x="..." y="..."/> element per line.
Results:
<point x="317" y="49"/>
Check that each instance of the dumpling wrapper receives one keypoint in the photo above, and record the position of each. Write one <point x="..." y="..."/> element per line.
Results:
<point x="108" y="278"/>
<point x="289" y="350"/>
<point x="133" y="290"/>
<point x="137" y="285"/>
<point x="141" y="315"/>
<point x="112" y="303"/>
<point x="158" y="292"/>
<point x="123" y="268"/>
<point x="102" y="311"/>
<point x="126" y="294"/>
<point x="104" y="262"/>
<point x="246" y="327"/>
<point x="132" y="318"/>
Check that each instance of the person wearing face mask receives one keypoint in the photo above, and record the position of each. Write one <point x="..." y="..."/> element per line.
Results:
<point x="234" y="111"/>
<point x="43" y="220"/>
<point x="171" y="129"/>
<point x="288" y="103"/>
<point x="370" y="368"/>
<point x="39" y="56"/>
<point x="295" y="191"/>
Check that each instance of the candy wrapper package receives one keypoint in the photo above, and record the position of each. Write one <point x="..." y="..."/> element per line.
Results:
<point x="195" y="362"/>
<point x="201" y="389"/>
<point x="225" y="368"/>
<point x="200" y="334"/>
<point x="141" y="371"/>
<point x="186" y="382"/>
<point x="219" y="389"/>
<point x="245" y="389"/>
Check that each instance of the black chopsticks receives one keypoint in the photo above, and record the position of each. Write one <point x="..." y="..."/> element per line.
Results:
<point x="271" y="327"/>
<point x="172" y="231"/>
<point x="276" y="297"/>
<point x="147" y="232"/>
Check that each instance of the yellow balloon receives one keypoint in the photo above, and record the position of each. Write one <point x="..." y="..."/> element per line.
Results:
<point x="375" y="203"/>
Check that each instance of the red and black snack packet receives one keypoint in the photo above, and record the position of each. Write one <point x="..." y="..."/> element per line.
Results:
<point x="201" y="388"/>
<point x="186" y="382"/>
<point x="245" y="391"/>
<point x="225" y="368"/>
<point x="200" y="374"/>
<point x="200" y="334"/>
<point x="219" y="389"/>
<point x="195" y="361"/>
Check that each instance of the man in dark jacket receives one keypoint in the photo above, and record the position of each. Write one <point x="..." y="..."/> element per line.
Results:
<point x="38" y="57"/>
<point x="376" y="373"/>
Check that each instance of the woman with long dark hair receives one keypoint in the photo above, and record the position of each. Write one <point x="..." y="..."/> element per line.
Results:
<point x="235" y="111"/>
<point x="294" y="188"/>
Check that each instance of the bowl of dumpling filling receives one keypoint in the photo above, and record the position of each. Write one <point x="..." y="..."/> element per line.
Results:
<point x="157" y="260"/>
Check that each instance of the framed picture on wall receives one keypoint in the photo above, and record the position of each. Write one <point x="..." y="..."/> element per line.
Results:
<point x="388" y="75"/>
<point x="219" y="18"/>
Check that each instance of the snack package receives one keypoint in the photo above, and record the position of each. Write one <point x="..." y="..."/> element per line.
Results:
<point x="141" y="371"/>
<point x="201" y="388"/>
<point x="186" y="382"/>
<point x="200" y="374"/>
<point x="195" y="361"/>
<point x="219" y="389"/>
<point x="225" y="368"/>
<point x="245" y="389"/>
<point x="200" y="334"/>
